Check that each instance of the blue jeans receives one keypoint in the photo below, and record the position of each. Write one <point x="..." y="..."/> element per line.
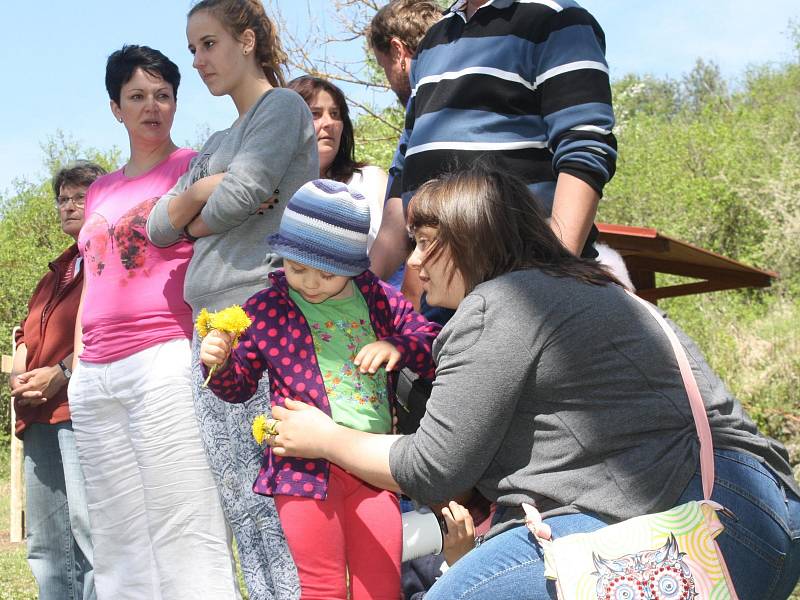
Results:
<point x="761" y="549"/>
<point x="59" y="544"/>
<point x="762" y="546"/>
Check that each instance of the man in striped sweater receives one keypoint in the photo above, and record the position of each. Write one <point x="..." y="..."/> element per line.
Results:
<point x="524" y="82"/>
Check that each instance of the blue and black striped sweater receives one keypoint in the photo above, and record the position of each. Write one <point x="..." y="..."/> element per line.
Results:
<point x="525" y="81"/>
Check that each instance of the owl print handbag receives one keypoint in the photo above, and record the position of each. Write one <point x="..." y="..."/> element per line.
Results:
<point x="670" y="555"/>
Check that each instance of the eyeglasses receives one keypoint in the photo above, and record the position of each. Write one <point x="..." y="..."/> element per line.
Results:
<point x="78" y="200"/>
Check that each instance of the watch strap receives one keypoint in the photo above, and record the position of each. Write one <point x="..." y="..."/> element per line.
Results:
<point x="66" y="370"/>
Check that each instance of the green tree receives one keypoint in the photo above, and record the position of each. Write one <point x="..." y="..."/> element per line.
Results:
<point x="704" y="85"/>
<point x="723" y="172"/>
<point x="639" y="96"/>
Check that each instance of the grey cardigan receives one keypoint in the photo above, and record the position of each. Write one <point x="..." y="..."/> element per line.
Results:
<point x="272" y="147"/>
<point x="566" y="394"/>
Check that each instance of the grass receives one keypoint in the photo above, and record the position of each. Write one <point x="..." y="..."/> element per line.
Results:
<point x="16" y="581"/>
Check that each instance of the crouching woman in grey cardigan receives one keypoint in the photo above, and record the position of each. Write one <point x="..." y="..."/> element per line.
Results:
<point x="231" y="199"/>
<point x="555" y="388"/>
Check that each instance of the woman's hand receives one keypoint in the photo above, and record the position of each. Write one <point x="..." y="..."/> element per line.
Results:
<point x="215" y="348"/>
<point x="373" y="355"/>
<point x="460" y="536"/>
<point x="36" y="386"/>
<point x="268" y="204"/>
<point x="303" y="430"/>
<point x="306" y="431"/>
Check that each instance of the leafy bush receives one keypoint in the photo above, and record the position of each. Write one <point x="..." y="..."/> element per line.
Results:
<point x="722" y="171"/>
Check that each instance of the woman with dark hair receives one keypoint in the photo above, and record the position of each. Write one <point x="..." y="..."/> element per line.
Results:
<point x="156" y="520"/>
<point x="59" y="542"/>
<point x="336" y="145"/>
<point x="556" y="388"/>
<point x="226" y="205"/>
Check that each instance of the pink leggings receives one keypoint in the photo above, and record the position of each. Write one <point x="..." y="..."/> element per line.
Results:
<point x="357" y="528"/>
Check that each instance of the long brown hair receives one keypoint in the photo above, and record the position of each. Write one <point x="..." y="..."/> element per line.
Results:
<point x="237" y="16"/>
<point x="491" y="224"/>
<point x="344" y="163"/>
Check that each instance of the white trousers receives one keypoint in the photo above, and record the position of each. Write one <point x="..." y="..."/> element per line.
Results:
<point x="156" y="522"/>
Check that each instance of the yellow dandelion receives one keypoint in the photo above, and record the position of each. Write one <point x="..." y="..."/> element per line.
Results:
<point x="260" y="428"/>
<point x="202" y="323"/>
<point x="232" y="320"/>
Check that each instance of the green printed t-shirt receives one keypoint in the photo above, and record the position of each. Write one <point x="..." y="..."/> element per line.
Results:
<point x="340" y="328"/>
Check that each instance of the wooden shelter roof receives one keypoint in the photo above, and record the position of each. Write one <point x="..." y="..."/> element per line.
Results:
<point x="647" y="252"/>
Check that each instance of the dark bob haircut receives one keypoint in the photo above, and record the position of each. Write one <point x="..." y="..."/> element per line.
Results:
<point x="123" y="63"/>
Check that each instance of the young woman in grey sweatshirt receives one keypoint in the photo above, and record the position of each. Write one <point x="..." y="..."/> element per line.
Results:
<point x="231" y="199"/>
<point x="555" y="387"/>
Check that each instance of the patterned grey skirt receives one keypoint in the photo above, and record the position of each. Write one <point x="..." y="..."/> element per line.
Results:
<point x="235" y="458"/>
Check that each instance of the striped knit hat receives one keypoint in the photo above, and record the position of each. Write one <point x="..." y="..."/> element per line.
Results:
<point x="325" y="226"/>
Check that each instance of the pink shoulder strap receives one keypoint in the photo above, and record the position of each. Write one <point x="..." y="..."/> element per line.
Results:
<point x="695" y="400"/>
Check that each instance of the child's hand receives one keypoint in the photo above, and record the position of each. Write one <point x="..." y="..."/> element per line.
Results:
<point x="215" y="348"/>
<point x="373" y="355"/>
<point x="460" y="536"/>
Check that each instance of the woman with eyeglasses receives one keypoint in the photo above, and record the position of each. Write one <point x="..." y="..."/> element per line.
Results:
<point x="556" y="388"/>
<point x="156" y="518"/>
<point x="59" y="543"/>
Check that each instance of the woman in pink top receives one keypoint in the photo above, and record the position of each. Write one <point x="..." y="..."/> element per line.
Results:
<point x="155" y="514"/>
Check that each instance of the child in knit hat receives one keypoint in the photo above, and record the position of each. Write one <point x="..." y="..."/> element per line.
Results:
<point x="323" y="330"/>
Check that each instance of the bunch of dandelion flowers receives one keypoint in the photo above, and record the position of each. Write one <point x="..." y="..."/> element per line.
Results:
<point x="232" y="320"/>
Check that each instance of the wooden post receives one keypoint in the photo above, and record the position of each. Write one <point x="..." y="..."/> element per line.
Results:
<point x="16" y="528"/>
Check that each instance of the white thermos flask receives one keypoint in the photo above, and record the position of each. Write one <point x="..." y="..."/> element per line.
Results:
<point x="422" y="534"/>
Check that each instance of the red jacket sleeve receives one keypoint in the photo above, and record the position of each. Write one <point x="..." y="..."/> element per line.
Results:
<point x="238" y="381"/>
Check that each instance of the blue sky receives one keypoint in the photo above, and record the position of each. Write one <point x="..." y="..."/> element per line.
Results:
<point x="53" y="58"/>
